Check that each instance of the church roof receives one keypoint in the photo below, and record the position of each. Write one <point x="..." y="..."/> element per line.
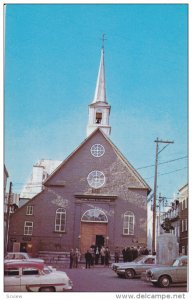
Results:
<point x="117" y="151"/>
<point x="100" y="91"/>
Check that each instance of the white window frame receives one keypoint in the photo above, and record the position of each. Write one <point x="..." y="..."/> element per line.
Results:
<point x="186" y="225"/>
<point x="60" y="220"/>
<point x="97" y="150"/>
<point x="28" y="228"/>
<point x="29" y="210"/>
<point x="128" y="223"/>
<point x="96" y="179"/>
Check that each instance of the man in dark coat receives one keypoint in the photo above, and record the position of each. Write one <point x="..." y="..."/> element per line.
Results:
<point x="88" y="259"/>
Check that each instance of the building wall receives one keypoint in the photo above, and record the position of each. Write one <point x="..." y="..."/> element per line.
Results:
<point x="183" y="200"/>
<point x="121" y="181"/>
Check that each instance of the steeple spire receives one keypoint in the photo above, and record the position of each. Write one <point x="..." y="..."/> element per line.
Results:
<point x="100" y="91"/>
<point x="99" y="109"/>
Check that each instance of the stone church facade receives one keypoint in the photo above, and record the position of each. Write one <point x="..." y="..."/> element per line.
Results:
<point x="94" y="197"/>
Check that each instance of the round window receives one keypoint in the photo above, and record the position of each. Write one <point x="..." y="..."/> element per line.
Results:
<point x="96" y="179"/>
<point x="97" y="150"/>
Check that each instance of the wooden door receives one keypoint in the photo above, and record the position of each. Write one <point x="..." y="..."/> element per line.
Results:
<point x="89" y="232"/>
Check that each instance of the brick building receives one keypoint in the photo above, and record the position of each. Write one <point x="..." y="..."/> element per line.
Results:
<point x="94" y="197"/>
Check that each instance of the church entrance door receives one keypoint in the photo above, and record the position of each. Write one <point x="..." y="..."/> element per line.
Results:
<point x="92" y="233"/>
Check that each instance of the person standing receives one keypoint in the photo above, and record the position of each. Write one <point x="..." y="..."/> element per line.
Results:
<point x="72" y="258"/>
<point x="117" y="254"/>
<point x="96" y="255"/>
<point x="77" y="257"/>
<point x="107" y="256"/>
<point x="102" y="253"/>
<point x="88" y="259"/>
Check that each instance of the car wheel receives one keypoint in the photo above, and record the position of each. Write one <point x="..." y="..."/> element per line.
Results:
<point x="129" y="274"/>
<point x="47" y="289"/>
<point x="164" y="281"/>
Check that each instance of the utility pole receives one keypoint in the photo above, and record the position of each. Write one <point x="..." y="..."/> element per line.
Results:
<point x="157" y="141"/>
<point x="8" y="215"/>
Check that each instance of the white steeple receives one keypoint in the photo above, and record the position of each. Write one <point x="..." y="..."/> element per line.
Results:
<point x="100" y="92"/>
<point x="99" y="110"/>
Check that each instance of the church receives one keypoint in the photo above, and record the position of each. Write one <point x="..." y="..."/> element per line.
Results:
<point x="94" y="197"/>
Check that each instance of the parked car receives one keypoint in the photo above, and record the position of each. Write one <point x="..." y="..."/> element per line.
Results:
<point x="21" y="256"/>
<point x="134" y="269"/>
<point x="34" y="276"/>
<point x="165" y="275"/>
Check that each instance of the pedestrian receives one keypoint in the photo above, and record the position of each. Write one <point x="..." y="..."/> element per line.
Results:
<point x="124" y="254"/>
<point x="97" y="255"/>
<point x="117" y="254"/>
<point x="102" y="253"/>
<point x="88" y="259"/>
<point x="72" y="258"/>
<point x="134" y="252"/>
<point x="77" y="257"/>
<point x="92" y="251"/>
<point x="129" y="254"/>
<point x="107" y="256"/>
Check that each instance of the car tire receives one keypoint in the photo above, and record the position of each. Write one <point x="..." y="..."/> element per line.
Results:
<point x="129" y="274"/>
<point x="47" y="289"/>
<point x="164" y="281"/>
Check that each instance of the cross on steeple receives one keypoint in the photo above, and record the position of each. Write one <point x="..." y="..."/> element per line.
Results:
<point x="103" y="40"/>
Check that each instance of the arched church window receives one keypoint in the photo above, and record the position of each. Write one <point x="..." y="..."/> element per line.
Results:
<point x="60" y="220"/>
<point x="97" y="150"/>
<point x="128" y="223"/>
<point x="94" y="215"/>
<point x="96" y="179"/>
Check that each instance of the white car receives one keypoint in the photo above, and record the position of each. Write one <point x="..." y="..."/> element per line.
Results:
<point x="12" y="256"/>
<point x="33" y="276"/>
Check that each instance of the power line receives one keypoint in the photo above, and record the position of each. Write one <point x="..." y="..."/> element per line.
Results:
<point x="165" y="162"/>
<point x="167" y="173"/>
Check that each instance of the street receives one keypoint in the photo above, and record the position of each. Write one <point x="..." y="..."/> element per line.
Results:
<point x="103" y="279"/>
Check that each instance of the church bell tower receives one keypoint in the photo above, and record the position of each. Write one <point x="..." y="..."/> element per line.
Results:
<point x="99" y="109"/>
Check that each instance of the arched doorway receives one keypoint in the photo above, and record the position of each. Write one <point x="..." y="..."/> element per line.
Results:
<point x="93" y="229"/>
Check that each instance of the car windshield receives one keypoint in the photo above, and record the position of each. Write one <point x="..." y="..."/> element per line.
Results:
<point x="139" y="258"/>
<point x="175" y="263"/>
<point x="47" y="270"/>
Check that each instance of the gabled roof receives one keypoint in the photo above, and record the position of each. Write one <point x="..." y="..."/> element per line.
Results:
<point x="119" y="154"/>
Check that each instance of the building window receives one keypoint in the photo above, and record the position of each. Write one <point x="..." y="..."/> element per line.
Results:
<point x="29" y="211"/>
<point x="60" y="220"/>
<point x="185" y="224"/>
<point x="96" y="179"/>
<point x="94" y="215"/>
<point x="28" y="228"/>
<point x="182" y="225"/>
<point x="128" y="223"/>
<point x="97" y="150"/>
<point x="98" y="117"/>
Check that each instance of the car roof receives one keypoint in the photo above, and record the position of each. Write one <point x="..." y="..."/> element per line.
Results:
<point x="25" y="264"/>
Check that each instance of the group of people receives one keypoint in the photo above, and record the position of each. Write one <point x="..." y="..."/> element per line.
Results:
<point x="95" y="253"/>
<point x="131" y="253"/>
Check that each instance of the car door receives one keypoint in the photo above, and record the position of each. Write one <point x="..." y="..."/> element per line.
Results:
<point x="30" y="277"/>
<point x="147" y="264"/>
<point x="181" y="272"/>
<point x="12" y="280"/>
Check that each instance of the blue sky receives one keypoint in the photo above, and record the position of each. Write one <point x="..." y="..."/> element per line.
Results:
<point x="52" y="55"/>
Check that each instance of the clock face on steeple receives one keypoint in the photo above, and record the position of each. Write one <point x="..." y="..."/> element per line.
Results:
<point x="97" y="150"/>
